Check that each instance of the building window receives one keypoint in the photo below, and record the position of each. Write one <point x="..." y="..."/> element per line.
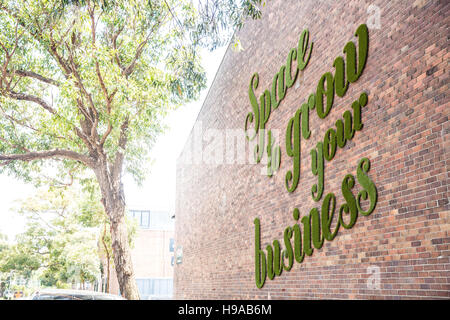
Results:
<point x="145" y="219"/>
<point x="156" y="220"/>
<point x="160" y="220"/>
<point x="155" y="288"/>
<point x="172" y="245"/>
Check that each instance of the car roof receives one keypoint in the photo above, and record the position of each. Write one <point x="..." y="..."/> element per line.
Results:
<point x="51" y="291"/>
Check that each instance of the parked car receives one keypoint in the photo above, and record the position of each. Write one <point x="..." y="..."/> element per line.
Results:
<point x="62" y="294"/>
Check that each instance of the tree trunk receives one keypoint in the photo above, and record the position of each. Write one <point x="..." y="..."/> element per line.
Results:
<point x="108" y="260"/>
<point x="113" y="201"/>
<point x="122" y="259"/>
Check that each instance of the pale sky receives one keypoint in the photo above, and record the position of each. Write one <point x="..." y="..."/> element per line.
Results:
<point x="158" y="191"/>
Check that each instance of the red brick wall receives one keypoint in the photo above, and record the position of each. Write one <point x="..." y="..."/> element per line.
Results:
<point x="405" y="136"/>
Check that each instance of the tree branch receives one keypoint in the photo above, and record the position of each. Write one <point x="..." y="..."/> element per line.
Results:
<point x="51" y="49"/>
<point x="27" y="97"/>
<point x="106" y="134"/>
<point x="97" y="65"/>
<point x="31" y="74"/>
<point x="57" y="153"/>
<point x="128" y="70"/>
<point x="95" y="117"/>
<point x="114" y="44"/>
<point x="27" y="125"/>
<point x="14" y="145"/>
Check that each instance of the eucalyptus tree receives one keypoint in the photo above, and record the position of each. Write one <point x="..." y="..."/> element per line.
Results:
<point x="85" y="84"/>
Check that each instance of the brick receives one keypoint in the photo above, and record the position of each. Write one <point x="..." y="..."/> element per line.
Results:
<point x="405" y="136"/>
